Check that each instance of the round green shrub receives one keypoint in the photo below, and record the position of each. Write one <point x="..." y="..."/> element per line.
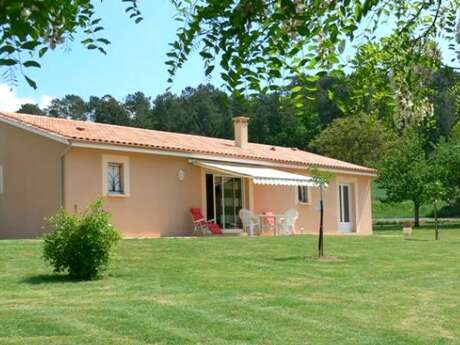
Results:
<point x="80" y="244"/>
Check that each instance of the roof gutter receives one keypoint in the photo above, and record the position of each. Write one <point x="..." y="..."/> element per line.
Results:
<point x="35" y="130"/>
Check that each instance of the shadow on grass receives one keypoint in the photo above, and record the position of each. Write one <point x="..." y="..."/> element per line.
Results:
<point x="49" y="279"/>
<point x="326" y="258"/>
<point x="290" y="258"/>
<point x="417" y="240"/>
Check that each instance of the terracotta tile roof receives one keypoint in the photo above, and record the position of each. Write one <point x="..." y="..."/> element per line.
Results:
<point x="82" y="131"/>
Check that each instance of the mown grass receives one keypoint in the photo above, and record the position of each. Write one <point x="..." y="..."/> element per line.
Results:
<point x="380" y="290"/>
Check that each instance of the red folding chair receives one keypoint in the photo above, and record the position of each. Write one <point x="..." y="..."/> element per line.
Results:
<point x="201" y="226"/>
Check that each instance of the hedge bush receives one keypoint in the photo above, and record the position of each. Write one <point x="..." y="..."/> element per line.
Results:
<point x="80" y="245"/>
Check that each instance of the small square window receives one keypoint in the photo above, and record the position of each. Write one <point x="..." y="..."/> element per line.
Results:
<point x="115" y="178"/>
<point x="303" y="195"/>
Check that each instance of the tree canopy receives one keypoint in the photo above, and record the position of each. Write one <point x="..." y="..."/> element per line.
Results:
<point x="70" y="106"/>
<point x="30" y="108"/>
<point x="358" y="139"/>
<point x="405" y="173"/>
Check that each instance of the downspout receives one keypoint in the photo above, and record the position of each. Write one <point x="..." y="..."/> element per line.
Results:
<point x="63" y="170"/>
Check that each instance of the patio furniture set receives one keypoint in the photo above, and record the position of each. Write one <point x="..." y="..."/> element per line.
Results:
<point x="266" y="223"/>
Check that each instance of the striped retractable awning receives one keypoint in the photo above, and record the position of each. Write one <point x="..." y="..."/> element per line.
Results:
<point x="259" y="174"/>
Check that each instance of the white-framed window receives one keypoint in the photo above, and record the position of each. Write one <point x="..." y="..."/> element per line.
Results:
<point x="115" y="178"/>
<point x="115" y="175"/>
<point x="1" y="179"/>
<point x="303" y="195"/>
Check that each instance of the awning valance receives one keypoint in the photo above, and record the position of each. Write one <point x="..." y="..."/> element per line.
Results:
<point x="259" y="174"/>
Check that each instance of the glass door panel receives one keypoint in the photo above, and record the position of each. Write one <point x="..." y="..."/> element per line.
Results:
<point x="344" y="208"/>
<point x="218" y="197"/>
<point x="238" y="200"/>
<point x="228" y="196"/>
<point x="228" y="202"/>
<point x="232" y="201"/>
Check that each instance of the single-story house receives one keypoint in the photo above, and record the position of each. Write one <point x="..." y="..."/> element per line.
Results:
<point x="151" y="179"/>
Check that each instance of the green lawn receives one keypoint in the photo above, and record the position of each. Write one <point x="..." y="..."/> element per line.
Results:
<point x="380" y="290"/>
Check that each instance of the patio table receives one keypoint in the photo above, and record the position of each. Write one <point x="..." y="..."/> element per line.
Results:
<point x="279" y="218"/>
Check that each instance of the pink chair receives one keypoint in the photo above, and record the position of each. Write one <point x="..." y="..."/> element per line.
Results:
<point x="269" y="220"/>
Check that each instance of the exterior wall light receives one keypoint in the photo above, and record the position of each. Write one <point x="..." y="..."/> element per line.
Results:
<point x="181" y="175"/>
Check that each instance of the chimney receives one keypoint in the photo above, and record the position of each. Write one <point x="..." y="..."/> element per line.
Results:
<point x="240" y="124"/>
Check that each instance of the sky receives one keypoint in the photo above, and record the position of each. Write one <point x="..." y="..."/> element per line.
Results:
<point x="134" y="61"/>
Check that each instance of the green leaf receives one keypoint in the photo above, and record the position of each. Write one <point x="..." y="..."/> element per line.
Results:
<point x="31" y="63"/>
<point x="31" y="83"/>
<point x="8" y="62"/>
<point x="42" y="51"/>
<point x="296" y="89"/>
<point x="30" y="45"/>
<point x="103" y="40"/>
<point x="209" y="70"/>
<point x="206" y="55"/>
<point x="7" y="49"/>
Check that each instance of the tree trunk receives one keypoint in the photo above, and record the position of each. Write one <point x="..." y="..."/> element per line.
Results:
<point x="436" y="226"/>
<point x="416" y="214"/>
<point x="321" y="235"/>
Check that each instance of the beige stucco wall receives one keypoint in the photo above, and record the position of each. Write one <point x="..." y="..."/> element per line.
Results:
<point x="158" y="204"/>
<point x="364" y="205"/>
<point x="32" y="181"/>
<point x="279" y="199"/>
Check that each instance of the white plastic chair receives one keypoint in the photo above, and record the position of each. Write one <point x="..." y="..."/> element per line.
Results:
<point x="249" y="220"/>
<point x="287" y="223"/>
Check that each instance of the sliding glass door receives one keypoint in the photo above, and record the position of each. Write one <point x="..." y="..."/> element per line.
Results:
<point x="225" y="201"/>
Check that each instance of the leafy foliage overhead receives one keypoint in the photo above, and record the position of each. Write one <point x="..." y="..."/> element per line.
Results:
<point x="260" y="42"/>
<point x="28" y="29"/>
